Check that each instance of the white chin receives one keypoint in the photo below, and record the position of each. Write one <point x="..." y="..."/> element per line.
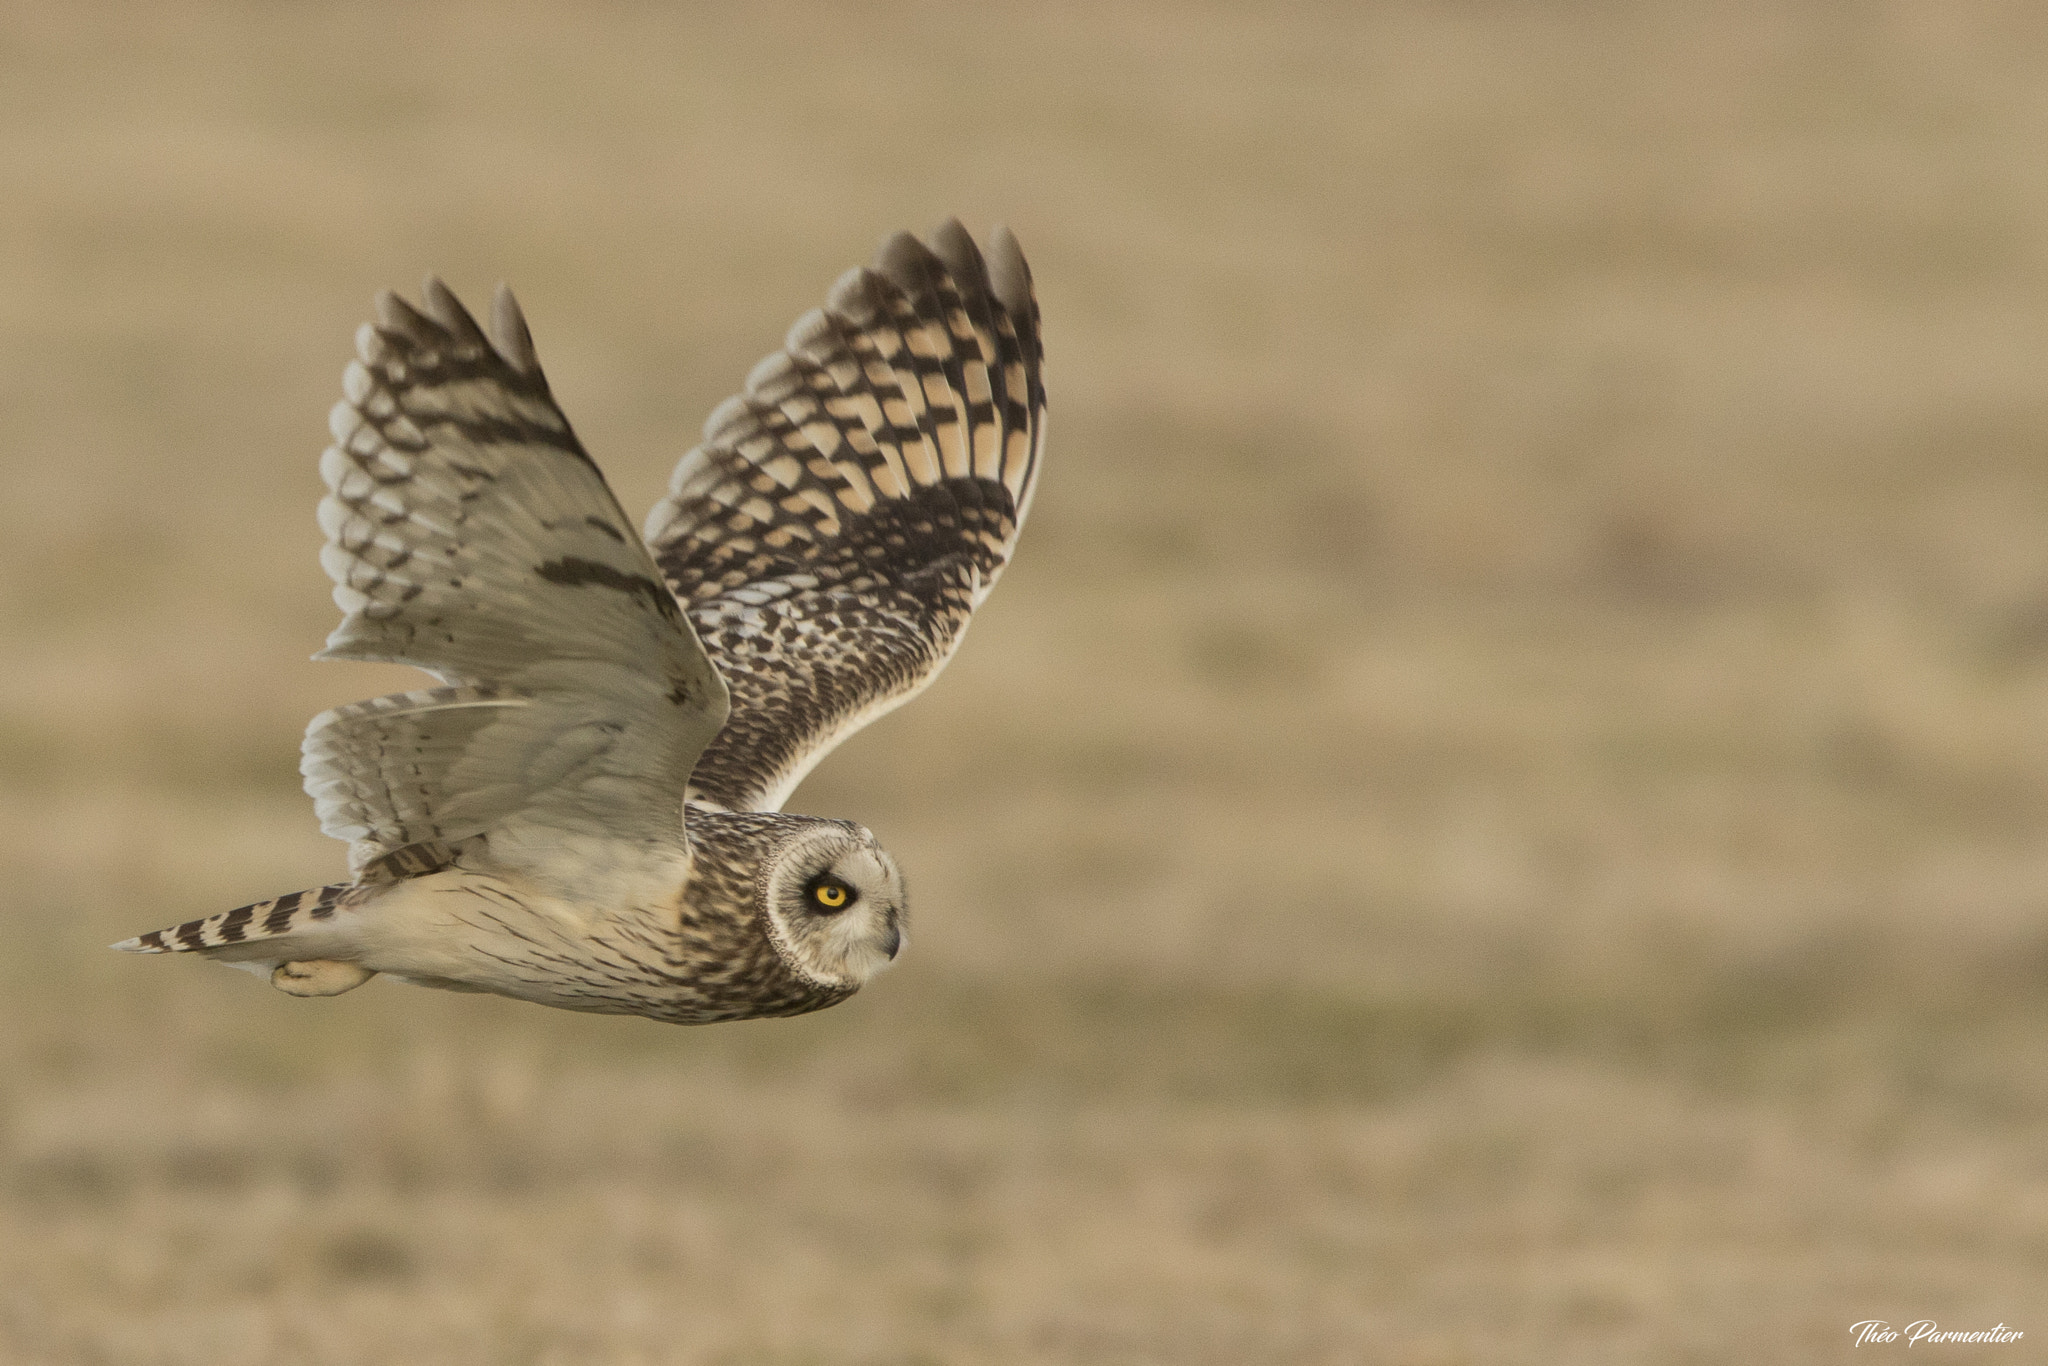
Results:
<point x="869" y="958"/>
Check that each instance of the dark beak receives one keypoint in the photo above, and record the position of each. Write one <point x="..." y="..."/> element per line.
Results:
<point x="892" y="942"/>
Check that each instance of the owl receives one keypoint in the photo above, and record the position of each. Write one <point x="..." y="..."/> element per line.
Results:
<point x="587" y="812"/>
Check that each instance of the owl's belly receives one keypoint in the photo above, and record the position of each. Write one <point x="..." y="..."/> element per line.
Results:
<point x="646" y="954"/>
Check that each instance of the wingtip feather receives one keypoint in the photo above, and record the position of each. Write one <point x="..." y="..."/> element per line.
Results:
<point x="510" y="334"/>
<point x="448" y="311"/>
<point x="954" y="246"/>
<point x="396" y="315"/>
<point x="1008" y="274"/>
<point x="906" y="263"/>
<point x="853" y="297"/>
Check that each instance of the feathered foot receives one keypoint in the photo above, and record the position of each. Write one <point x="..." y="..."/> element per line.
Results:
<point x="319" y="977"/>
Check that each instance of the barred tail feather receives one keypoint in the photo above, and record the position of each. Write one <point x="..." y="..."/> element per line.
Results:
<point x="258" y="921"/>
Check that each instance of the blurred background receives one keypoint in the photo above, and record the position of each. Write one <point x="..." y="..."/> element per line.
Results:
<point x="1501" y="815"/>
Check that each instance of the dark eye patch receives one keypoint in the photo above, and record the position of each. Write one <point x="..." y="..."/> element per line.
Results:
<point x="829" y="895"/>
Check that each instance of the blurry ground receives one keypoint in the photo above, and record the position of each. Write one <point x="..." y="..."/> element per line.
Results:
<point x="1501" y="816"/>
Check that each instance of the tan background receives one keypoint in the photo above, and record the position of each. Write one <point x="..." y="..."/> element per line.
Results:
<point x="1500" y="817"/>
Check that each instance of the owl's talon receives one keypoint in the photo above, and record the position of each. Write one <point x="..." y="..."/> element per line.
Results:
<point x="319" y="977"/>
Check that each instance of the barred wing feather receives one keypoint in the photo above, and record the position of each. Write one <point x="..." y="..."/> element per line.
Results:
<point x="848" y="511"/>
<point x="470" y="535"/>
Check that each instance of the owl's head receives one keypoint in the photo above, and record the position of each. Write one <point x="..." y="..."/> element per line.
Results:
<point x="835" y="904"/>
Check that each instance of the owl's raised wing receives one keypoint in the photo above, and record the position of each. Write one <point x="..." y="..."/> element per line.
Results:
<point x="470" y="535"/>
<point x="849" y="510"/>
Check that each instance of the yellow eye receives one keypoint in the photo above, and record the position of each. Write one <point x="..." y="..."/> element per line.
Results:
<point x="830" y="895"/>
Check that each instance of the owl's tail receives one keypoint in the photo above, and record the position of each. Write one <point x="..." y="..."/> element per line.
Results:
<point x="244" y="924"/>
<point x="280" y="935"/>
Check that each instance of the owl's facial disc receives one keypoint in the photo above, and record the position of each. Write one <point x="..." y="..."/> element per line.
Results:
<point x="836" y="905"/>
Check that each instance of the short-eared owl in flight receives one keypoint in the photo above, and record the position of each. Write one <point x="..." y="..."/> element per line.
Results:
<point x="586" y="813"/>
